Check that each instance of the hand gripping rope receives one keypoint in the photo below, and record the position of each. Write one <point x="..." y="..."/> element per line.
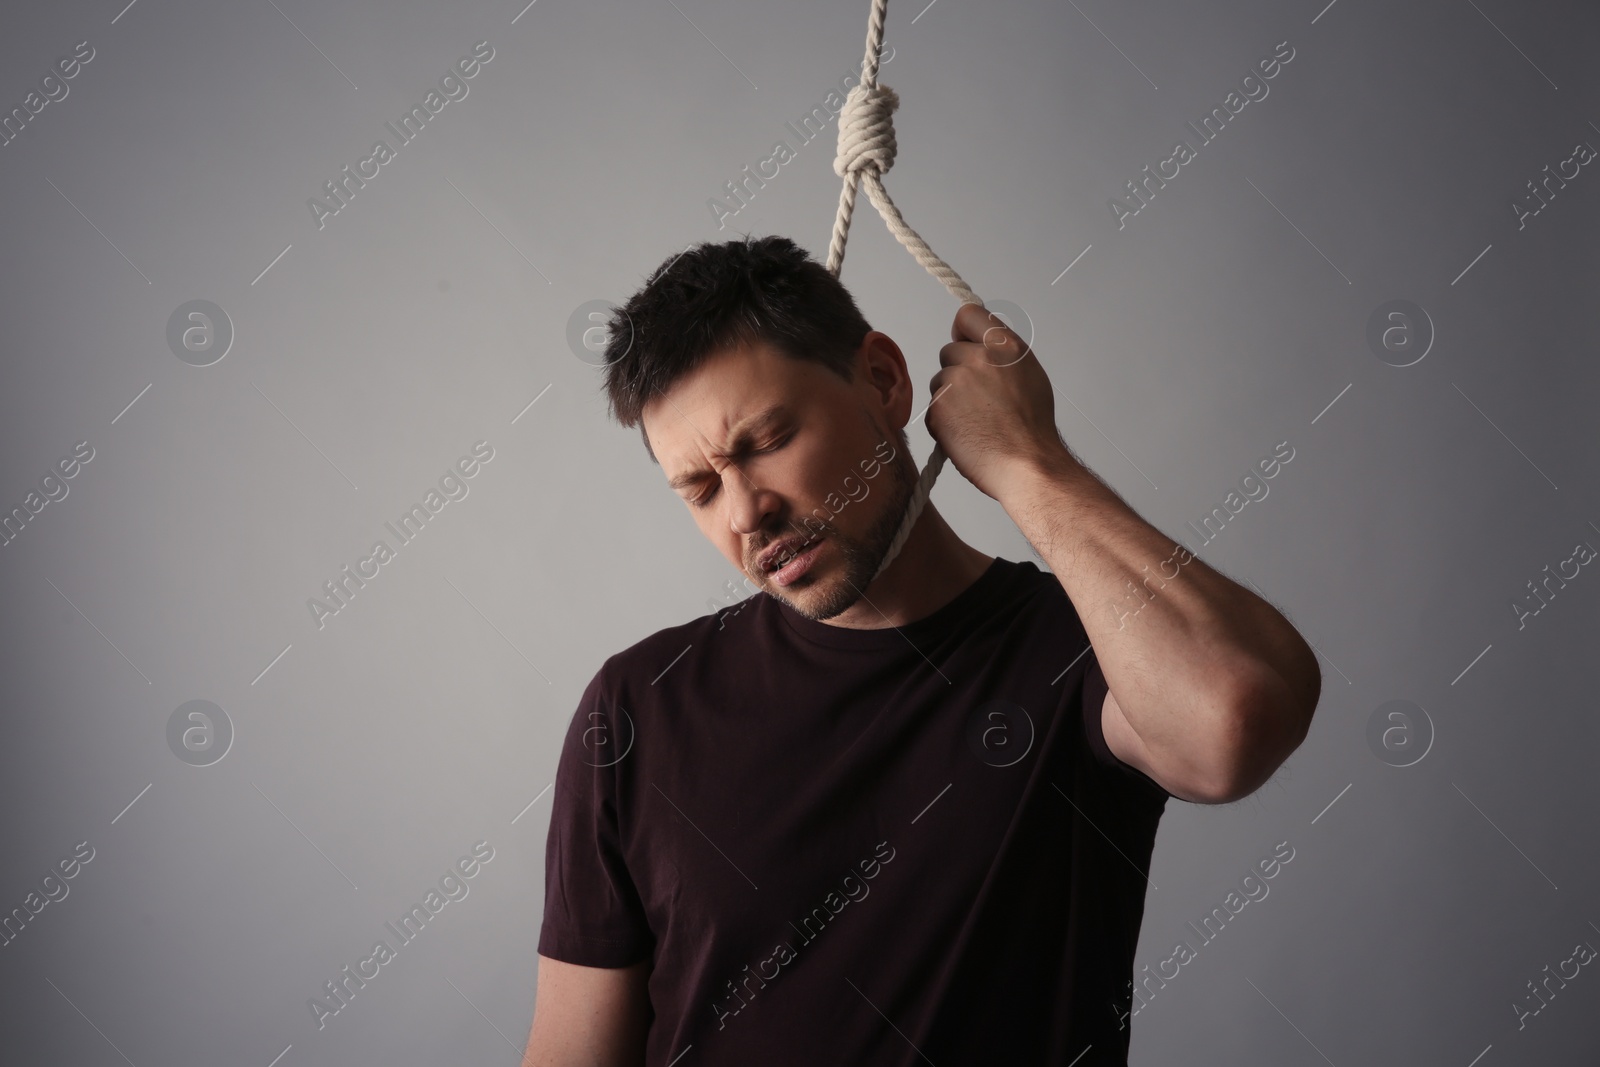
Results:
<point x="866" y="151"/>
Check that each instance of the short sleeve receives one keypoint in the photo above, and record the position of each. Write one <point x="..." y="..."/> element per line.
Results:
<point x="1094" y="702"/>
<point x="592" y="911"/>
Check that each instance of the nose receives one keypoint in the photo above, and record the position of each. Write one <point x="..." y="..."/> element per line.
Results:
<point x="751" y="507"/>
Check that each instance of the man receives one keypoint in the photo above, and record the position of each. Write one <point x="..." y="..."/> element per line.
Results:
<point x="896" y="818"/>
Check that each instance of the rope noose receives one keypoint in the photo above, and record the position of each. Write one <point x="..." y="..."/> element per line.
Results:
<point x="866" y="151"/>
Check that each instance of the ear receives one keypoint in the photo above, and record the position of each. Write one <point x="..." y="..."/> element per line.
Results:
<point x="882" y="368"/>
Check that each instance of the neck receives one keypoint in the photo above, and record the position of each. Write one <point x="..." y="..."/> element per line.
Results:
<point x="933" y="567"/>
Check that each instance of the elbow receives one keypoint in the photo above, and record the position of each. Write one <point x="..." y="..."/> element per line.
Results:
<point x="1264" y="724"/>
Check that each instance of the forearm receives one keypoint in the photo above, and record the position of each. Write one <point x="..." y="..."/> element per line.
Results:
<point x="1195" y="660"/>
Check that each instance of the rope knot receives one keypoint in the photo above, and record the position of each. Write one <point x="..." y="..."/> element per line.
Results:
<point x="866" y="131"/>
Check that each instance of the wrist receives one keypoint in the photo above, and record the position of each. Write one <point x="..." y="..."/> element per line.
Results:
<point x="1050" y="465"/>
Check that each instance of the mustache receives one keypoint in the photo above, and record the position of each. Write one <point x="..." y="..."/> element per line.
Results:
<point x="804" y="534"/>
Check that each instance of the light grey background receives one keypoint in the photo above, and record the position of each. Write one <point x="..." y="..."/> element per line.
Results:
<point x="1227" y="316"/>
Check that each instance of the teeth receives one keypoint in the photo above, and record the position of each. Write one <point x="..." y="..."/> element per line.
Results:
<point x="781" y="559"/>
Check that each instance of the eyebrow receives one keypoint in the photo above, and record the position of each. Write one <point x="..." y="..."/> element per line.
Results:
<point x="743" y="436"/>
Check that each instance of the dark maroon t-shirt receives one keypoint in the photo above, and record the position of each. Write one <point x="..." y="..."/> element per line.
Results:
<point x="840" y="846"/>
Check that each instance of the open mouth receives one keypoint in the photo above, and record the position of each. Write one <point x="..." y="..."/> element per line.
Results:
<point x="789" y="565"/>
<point x="784" y="558"/>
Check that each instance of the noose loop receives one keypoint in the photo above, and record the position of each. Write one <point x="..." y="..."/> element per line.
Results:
<point x="865" y="153"/>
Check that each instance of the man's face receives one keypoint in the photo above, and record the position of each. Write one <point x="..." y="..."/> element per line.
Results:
<point x="765" y="450"/>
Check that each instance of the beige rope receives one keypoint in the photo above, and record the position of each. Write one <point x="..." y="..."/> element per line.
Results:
<point x="866" y="152"/>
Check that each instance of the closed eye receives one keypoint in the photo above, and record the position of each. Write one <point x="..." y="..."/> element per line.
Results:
<point x="704" y="500"/>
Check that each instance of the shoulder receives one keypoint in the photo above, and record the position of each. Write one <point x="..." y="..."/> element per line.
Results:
<point x="1031" y="585"/>
<point x="656" y="661"/>
<point x="661" y="647"/>
<point x="654" y="679"/>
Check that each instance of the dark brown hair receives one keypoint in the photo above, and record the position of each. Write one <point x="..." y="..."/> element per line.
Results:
<point x="718" y="296"/>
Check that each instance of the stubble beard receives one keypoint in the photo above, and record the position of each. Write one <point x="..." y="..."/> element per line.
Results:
<point x="862" y="556"/>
